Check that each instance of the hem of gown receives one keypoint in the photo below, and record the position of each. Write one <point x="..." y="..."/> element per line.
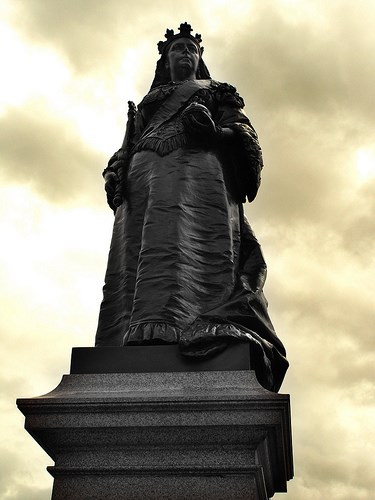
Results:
<point x="152" y="332"/>
<point x="202" y="339"/>
<point x="199" y="336"/>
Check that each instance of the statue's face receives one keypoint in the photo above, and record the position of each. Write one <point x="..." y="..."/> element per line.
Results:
<point x="183" y="57"/>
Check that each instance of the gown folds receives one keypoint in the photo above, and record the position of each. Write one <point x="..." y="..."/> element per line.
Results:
<point x="184" y="265"/>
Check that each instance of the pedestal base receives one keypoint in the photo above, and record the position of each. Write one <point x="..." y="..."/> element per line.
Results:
<point x="177" y="435"/>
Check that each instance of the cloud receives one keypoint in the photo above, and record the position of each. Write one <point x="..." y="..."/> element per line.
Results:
<point x="12" y="477"/>
<point x="95" y="34"/>
<point x="291" y="58"/>
<point x="41" y="151"/>
<point x="358" y="234"/>
<point x="87" y="34"/>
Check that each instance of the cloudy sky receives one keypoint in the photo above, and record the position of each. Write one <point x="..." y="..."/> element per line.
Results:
<point x="306" y="69"/>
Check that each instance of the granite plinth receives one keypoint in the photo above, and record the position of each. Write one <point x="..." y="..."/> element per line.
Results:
<point x="163" y="435"/>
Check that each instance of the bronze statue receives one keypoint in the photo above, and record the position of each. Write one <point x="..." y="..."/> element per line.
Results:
<point x="184" y="265"/>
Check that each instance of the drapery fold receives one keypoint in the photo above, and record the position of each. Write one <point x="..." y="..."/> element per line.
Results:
<point x="184" y="265"/>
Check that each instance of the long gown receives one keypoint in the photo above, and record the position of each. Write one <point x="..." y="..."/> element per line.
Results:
<point x="184" y="265"/>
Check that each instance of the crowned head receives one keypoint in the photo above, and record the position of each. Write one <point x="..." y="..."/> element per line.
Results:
<point x="173" y="43"/>
<point x="185" y="31"/>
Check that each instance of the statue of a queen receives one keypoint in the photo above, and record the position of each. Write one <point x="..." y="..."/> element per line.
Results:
<point x="184" y="266"/>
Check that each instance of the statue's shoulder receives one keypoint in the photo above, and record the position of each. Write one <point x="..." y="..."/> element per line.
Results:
<point x="225" y="93"/>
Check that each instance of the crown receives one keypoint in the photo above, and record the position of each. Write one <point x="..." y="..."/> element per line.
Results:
<point x="185" y="31"/>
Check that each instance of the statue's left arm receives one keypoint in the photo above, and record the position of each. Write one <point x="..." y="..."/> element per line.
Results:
<point x="244" y="155"/>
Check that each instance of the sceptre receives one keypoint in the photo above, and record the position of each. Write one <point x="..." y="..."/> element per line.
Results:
<point x="124" y="155"/>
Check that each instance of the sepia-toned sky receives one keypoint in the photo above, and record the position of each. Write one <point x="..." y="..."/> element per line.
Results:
<point x="306" y="69"/>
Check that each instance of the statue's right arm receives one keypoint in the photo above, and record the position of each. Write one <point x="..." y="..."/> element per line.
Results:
<point x="111" y="173"/>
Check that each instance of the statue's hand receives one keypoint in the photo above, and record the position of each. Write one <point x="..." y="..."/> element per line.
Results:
<point x="111" y="181"/>
<point x="198" y="122"/>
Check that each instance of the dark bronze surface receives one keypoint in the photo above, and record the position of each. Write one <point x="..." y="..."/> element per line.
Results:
<point x="184" y="265"/>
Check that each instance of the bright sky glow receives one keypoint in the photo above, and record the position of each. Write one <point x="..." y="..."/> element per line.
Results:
<point x="31" y="71"/>
<point x="365" y="159"/>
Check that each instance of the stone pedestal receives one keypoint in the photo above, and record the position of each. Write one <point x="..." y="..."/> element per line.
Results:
<point x="171" y="435"/>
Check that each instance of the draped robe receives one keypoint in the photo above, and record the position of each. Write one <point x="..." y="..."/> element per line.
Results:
<point x="184" y="265"/>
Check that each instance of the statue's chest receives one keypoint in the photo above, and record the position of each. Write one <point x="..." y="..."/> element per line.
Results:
<point x="158" y="97"/>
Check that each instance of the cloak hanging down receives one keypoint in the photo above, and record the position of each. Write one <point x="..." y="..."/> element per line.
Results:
<point x="184" y="265"/>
